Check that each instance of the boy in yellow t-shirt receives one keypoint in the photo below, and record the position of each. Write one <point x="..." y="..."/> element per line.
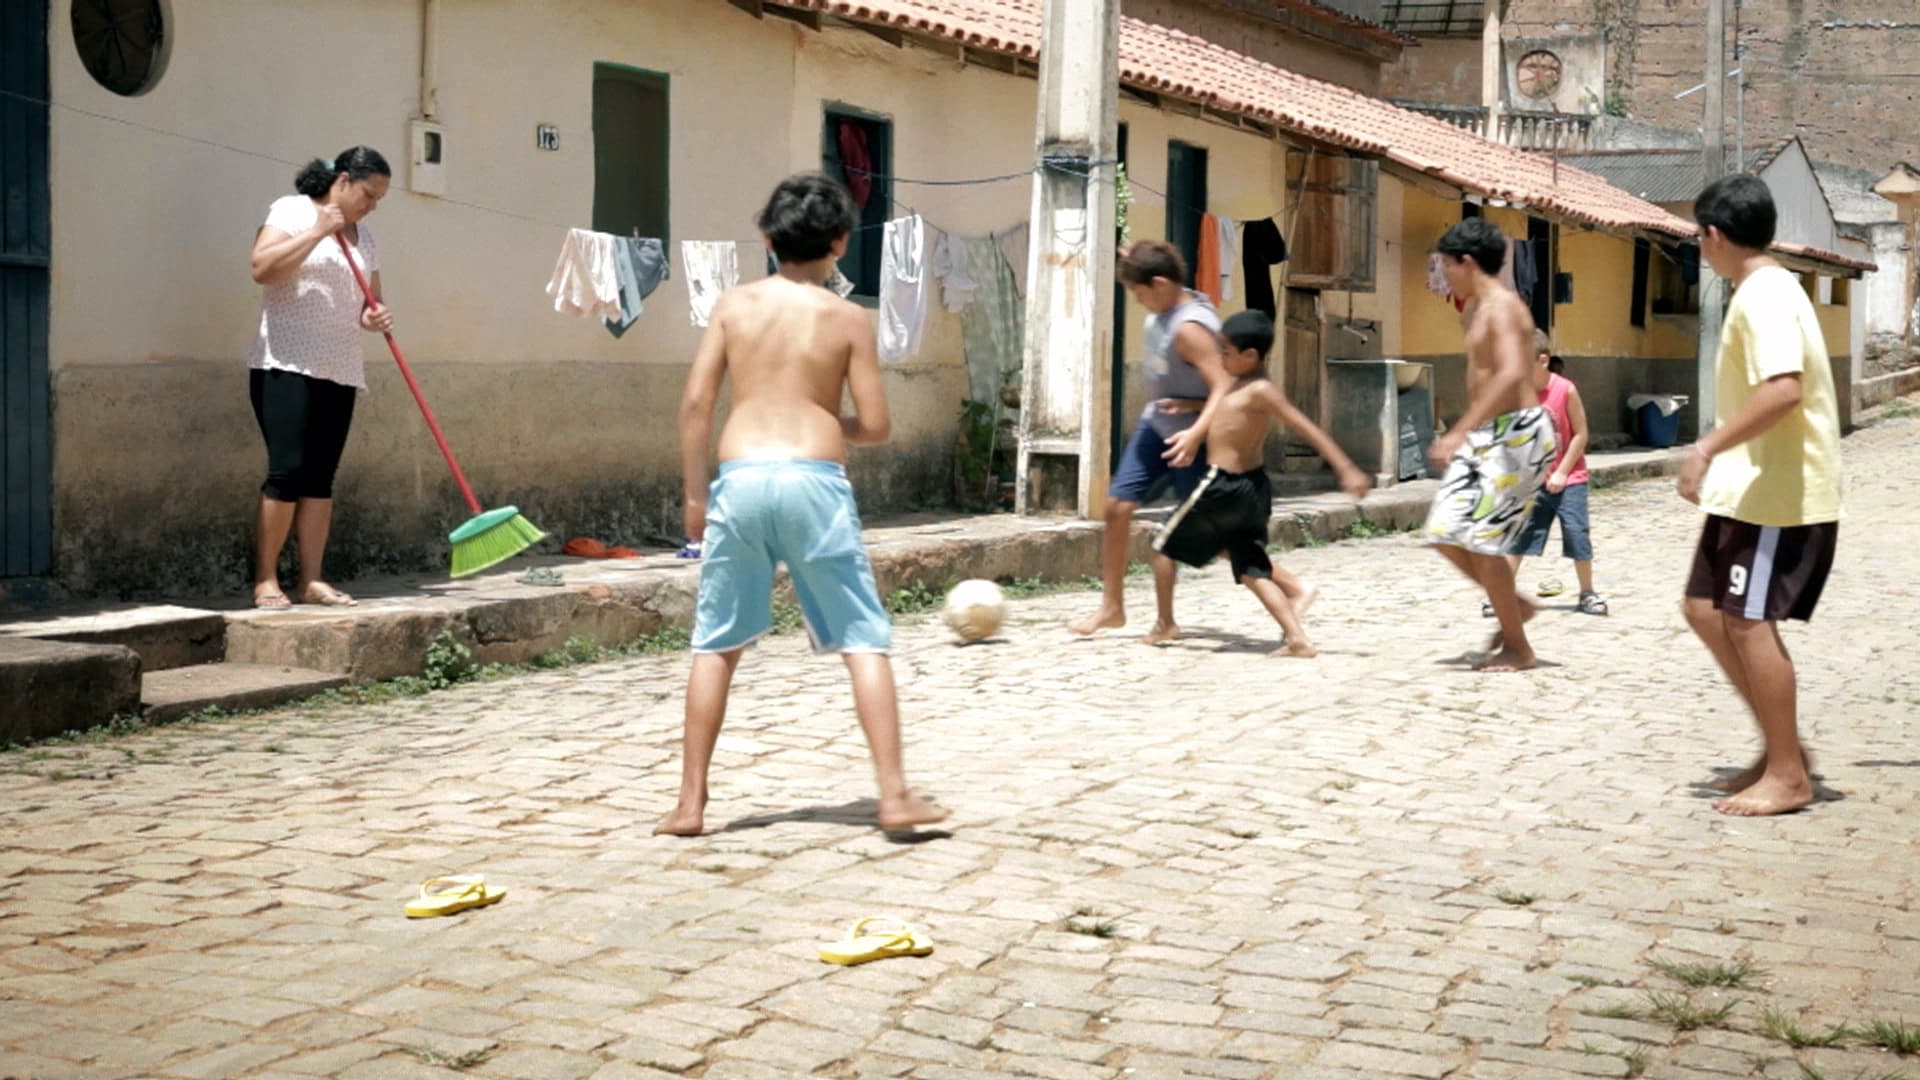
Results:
<point x="1768" y="476"/>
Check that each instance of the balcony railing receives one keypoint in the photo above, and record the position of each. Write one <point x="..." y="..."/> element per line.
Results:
<point x="1525" y="130"/>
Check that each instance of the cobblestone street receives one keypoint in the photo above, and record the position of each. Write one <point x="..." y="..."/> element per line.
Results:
<point x="1192" y="860"/>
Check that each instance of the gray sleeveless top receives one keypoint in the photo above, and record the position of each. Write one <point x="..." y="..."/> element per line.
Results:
<point x="1169" y="376"/>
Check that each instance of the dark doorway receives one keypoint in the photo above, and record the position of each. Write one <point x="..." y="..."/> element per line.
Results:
<point x="26" y="462"/>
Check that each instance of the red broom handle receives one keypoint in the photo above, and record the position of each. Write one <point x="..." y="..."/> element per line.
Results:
<point x="407" y="374"/>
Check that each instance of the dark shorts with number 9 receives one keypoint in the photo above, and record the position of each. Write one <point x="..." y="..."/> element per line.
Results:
<point x="1762" y="572"/>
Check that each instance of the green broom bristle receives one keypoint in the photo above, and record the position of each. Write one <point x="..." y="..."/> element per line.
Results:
<point x="491" y="539"/>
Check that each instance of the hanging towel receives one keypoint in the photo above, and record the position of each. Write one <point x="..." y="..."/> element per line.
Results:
<point x="585" y="280"/>
<point x="1206" y="263"/>
<point x="957" y="284"/>
<point x="1013" y="247"/>
<point x="906" y="286"/>
<point x="1437" y="276"/>
<point x="1525" y="269"/>
<point x="1506" y="266"/>
<point x="713" y="267"/>
<point x="1261" y="249"/>
<point x="993" y="325"/>
<point x="1229" y="251"/>
<point x="641" y="264"/>
<point x="856" y="162"/>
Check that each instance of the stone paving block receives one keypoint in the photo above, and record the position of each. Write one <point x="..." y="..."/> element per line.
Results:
<point x="1051" y="1068"/>
<point x="1380" y="1061"/>
<point x="654" y="1053"/>
<point x="228" y="1061"/>
<point x="1176" y="1038"/>
<point x="333" y="1061"/>
<point x="541" y="1063"/>
<point x="790" y="1046"/>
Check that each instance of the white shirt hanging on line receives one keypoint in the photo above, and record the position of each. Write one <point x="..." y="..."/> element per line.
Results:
<point x="713" y="267"/>
<point x="1229" y="231"/>
<point x="586" y="280"/>
<point x="906" y="287"/>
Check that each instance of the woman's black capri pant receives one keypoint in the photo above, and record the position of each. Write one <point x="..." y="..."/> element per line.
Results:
<point x="305" y="422"/>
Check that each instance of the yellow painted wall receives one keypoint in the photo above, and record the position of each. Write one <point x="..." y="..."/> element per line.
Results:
<point x="1429" y="325"/>
<point x="1836" y="324"/>
<point x="1596" y="324"/>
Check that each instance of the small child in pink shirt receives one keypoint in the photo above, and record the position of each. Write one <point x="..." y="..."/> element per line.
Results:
<point x="1564" y="495"/>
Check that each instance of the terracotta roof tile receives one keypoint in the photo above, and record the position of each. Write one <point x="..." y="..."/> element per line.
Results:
<point x="1814" y="254"/>
<point x="1171" y="62"/>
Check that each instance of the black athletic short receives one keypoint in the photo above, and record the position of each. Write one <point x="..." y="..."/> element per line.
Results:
<point x="1227" y="512"/>
<point x="1762" y="572"/>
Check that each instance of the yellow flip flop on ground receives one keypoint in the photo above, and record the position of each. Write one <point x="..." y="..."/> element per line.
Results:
<point x="876" y="938"/>
<point x="447" y="895"/>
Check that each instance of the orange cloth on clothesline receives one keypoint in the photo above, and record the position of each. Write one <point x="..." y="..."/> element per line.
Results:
<point x="1206" y="265"/>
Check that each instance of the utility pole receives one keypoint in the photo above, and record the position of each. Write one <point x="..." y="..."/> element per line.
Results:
<point x="1714" y="159"/>
<point x="1067" y="376"/>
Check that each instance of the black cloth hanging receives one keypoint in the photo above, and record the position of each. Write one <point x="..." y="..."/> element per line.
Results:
<point x="1261" y="249"/>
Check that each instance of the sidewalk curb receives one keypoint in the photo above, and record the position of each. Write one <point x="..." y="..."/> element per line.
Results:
<point x="616" y="602"/>
<point x="510" y="623"/>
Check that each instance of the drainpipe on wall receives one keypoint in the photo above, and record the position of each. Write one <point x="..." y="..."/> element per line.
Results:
<point x="429" y="59"/>
<point x="1491" y="73"/>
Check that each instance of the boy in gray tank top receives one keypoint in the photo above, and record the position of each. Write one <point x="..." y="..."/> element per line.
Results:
<point x="1186" y="378"/>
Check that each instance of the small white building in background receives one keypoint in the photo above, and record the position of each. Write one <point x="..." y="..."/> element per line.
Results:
<point x="1872" y="226"/>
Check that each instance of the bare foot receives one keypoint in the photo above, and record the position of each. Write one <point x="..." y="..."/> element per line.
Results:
<point x="1104" y="619"/>
<point x="1302" y="649"/>
<point x="684" y="821"/>
<point x="1498" y="642"/>
<point x="1309" y="592"/>
<point x="1162" y="633"/>
<point x="1507" y="660"/>
<point x="1751" y="775"/>
<point x="319" y="592"/>
<point x="906" y="811"/>
<point x="268" y="597"/>
<point x="1768" y="796"/>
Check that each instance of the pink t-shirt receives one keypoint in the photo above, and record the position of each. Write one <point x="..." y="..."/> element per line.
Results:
<point x="1554" y="400"/>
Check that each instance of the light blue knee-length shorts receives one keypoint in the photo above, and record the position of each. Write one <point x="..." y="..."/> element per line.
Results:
<point x="800" y="513"/>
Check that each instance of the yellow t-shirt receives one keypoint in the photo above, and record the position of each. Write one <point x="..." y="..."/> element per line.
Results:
<point x="1790" y="475"/>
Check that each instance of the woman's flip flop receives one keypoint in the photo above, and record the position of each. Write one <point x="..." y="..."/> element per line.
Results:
<point x="875" y="938"/>
<point x="448" y="895"/>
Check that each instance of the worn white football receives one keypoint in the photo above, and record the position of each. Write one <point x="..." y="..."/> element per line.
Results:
<point x="975" y="609"/>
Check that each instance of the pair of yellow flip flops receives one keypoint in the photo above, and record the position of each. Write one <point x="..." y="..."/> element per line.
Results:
<point x="876" y="938"/>
<point x="452" y="894"/>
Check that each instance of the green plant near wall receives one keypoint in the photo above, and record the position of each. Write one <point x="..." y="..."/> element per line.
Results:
<point x="981" y="424"/>
<point x="1122" y="200"/>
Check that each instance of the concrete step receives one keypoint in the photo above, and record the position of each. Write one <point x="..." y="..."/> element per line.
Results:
<point x="48" y="688"/>
<point x="165" y="636"/>
<point x="179" y="692"/>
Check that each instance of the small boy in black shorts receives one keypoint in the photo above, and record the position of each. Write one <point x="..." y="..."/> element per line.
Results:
<point x="1228" y="511"/>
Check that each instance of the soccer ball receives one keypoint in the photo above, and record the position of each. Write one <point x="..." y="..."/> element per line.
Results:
<point x="975" y="609"/>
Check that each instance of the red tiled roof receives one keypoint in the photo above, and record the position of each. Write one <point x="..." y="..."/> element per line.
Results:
<point x="1176" y="64"/>
<point x="1814" y="254"/>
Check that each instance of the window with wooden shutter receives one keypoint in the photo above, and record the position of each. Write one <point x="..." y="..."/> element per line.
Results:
<point x="1333" y="221"/>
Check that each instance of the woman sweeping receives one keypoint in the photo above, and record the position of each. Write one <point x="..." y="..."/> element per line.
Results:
<point x="305" y="366"/>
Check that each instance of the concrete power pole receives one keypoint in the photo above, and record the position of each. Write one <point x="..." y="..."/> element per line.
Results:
<point x="1065" y="384"/>
<point x="1714" y="129"/>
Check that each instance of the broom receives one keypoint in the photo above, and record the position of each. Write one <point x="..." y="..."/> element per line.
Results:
<point x="490" y="537"/>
